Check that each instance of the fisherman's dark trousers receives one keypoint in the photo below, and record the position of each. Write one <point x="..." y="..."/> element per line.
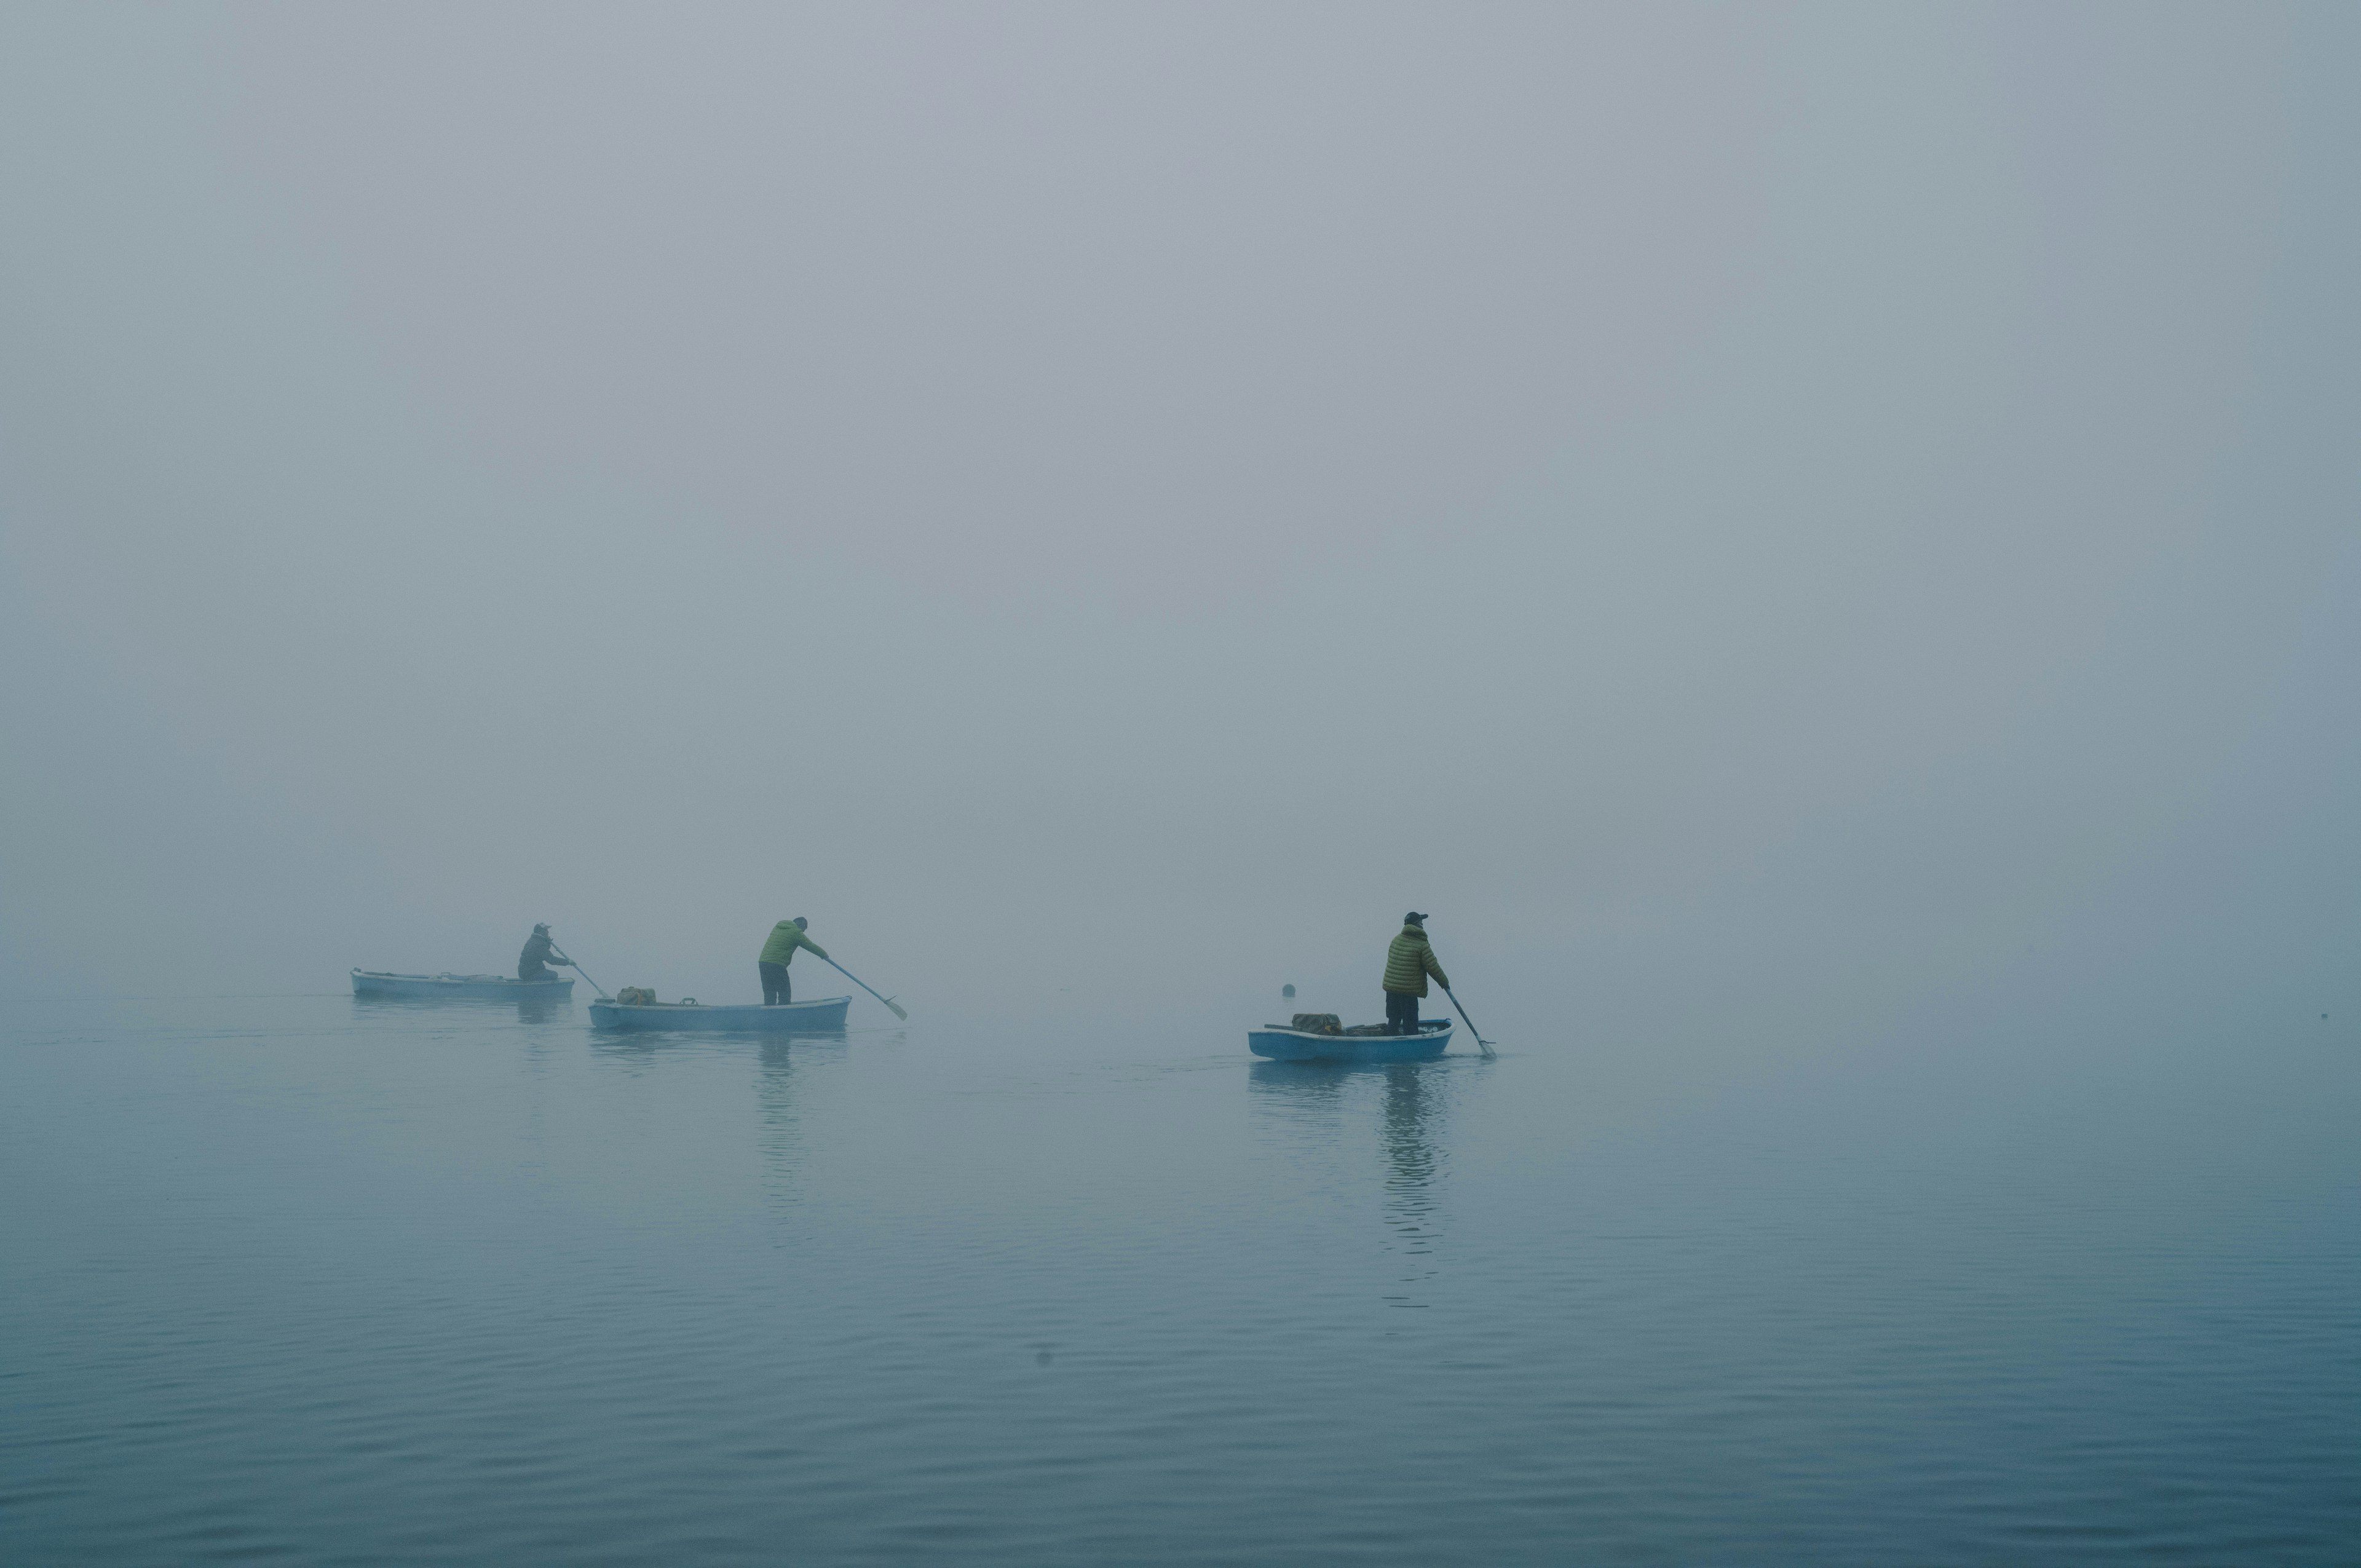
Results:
<point x="1401" y="1011"/>
<point x="774" y="984"/>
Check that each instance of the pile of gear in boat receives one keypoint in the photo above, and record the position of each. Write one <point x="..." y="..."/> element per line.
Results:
<point x="1328" y="1024"/>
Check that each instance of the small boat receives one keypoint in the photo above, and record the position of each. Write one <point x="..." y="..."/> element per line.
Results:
<point x="472" y="987"/>
<point x="1367" y="1043"/>
<point x="787" y="1018"/>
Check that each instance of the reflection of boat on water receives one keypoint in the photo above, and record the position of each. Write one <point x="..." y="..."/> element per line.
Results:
<point x="381" y="985"/>
<point x="1296" y="1088"/>
<point x="787" y="1018"/>
<point x="1374" y="1045"/>
<point x="1323" y="1098"/>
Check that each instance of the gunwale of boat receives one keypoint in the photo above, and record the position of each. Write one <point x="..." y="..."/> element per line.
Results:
<point x="393" y="984"/>
<point x="820" y="1014"/>
<point x="1433" y="1036"/>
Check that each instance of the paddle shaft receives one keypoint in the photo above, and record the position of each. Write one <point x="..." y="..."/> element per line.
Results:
<point x="601" y="990"/>
<point x="1466" y="1020"/>
<point x="888" y="1001"/>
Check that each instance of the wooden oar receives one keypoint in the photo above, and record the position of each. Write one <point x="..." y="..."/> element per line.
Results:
<point x="1466" y="1020"/>
<point x="887" y="999"/>
<point x="601" y="990"/>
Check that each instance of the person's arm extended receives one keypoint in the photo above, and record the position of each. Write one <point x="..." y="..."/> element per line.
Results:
<point x="1434" y="969"/>
<point x="807" y="942"/>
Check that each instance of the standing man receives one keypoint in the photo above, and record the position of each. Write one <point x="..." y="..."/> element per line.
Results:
<point x="533" y="962"/>
<point x="785" y="937"/>
<point x="1408" y="964"/>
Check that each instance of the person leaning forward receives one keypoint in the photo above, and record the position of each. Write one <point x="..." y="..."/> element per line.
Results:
<point x="785" y="937"/>
<point x="533" y="964"/>
<point x="1408" y="964"/>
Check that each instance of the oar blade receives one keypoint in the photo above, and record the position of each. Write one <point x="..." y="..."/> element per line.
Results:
<point x="865" y="986"/>
<point x="1481" y="1043"/>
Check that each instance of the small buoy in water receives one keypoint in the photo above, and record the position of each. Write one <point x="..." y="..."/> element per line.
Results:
<point x="1289" y="992"/>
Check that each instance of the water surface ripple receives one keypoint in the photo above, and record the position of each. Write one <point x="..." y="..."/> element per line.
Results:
<point x="300" y="1279"/>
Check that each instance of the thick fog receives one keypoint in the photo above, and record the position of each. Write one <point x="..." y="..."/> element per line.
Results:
<point x="1804" y="516"/>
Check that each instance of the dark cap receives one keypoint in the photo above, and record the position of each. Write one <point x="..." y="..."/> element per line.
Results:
<point x="1413" y="918"/>
<point x="541" y="927"/>
<point x="801" y="923"/>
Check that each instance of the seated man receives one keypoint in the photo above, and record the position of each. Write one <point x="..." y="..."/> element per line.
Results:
<point x="533" y="962"/>
<point x="777" y="953"/>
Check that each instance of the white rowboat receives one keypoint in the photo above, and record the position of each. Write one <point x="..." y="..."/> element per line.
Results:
<point x="825" y="1016"/>
<point x="468" y="987"/>
<point x="1284" y="1044"/>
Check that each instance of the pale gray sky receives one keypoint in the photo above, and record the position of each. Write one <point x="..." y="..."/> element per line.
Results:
<point x="1828" y="496"/>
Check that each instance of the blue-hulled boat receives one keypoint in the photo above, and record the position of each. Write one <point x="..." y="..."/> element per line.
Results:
<point x="467" y="987"/>
<point x="1282" y="1044"/>
<point x="787" y="1018"/>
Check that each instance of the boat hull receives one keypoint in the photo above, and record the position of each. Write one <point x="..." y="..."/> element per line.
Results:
<point x="1297" y="1044"/>
<point x="459" y="987"/>
<point x="789" y="1018"/>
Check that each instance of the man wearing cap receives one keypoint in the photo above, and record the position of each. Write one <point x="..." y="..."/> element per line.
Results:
<point x="1408" y="964"/>
<point x="785" y="937"/>
<point x="533" y="962"/>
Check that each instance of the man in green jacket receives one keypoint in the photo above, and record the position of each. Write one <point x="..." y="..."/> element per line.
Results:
<point x="1408" y="964"/>
<point x="785" y="937"/>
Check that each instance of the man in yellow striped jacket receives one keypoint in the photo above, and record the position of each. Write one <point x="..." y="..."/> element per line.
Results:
<point x="1408" y="964"/>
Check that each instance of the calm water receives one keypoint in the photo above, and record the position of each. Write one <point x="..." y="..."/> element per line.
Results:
<point x="313" y="1280"/>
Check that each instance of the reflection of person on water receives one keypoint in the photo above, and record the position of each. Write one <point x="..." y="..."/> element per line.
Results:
<point x="1408" y="964"/>
<point x="777" y="953"/>
<point x="1410" y="1150"/>
<point x="533" y="962"/>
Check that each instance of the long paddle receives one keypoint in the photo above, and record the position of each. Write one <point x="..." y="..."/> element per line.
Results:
<point x="887" y="999"/>
<point x="1466" y="1020"/>
<point x="601" y="990"/>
